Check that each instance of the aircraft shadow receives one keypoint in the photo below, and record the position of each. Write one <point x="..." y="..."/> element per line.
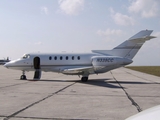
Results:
<point x="101" y="82"/>
<point x="95" y="82"/>
<point x="129" y="82"/>
<point x="108" y="83"/>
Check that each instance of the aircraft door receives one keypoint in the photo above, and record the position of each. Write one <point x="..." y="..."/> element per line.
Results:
<point x="36" y="63"/>
<point x="37" y="67"/>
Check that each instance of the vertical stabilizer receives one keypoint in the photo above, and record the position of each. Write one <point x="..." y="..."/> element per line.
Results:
<point x="130" y="47"/>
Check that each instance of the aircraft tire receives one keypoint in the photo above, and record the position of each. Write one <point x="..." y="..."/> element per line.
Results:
<point x="84" y="79"/>
<point x="23" y="77"/>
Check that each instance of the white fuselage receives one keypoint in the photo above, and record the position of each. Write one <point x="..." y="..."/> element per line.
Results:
<point x="59" y="62"/>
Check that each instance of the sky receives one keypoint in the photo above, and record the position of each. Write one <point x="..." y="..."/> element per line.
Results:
<point x="71" y="26"/>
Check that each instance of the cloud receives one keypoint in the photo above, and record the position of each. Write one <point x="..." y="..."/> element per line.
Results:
<point x="109" y="32"/>
<point x="110" y="36"/>
<point x="71" y="7"/>
<point x="45" y="10"/>
<point x="38" y="43"/>
<point x="157" y="34"/>
<point x="121" y="19"/>
<point x="146" y="8"/>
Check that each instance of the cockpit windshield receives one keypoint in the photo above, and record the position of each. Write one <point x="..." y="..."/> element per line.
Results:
<point x="25" y="56"/>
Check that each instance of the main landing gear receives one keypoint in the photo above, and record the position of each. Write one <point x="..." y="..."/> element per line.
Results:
<point x="23" y="76"/>
<point x="84" y="79"/>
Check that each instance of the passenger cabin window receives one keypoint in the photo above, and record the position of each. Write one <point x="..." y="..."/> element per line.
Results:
<point x="55" y="58"/>
<point x="50" y="58"/>
<point x="61" y="58"/>
<point x="72" y="57"/>
<point x="25" y="56"/>
<point x="78" y="57"/>
<point x="66" y="57"/>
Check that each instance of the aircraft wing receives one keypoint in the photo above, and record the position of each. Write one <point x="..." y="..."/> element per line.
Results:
<point x="78" y="70"/>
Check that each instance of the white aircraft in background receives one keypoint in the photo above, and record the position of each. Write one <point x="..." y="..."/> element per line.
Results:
<point x="84" y="64"/>
<point x="4" y="61"/>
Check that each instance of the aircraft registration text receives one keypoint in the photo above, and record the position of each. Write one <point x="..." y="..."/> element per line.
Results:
<point x="105" y="59"/>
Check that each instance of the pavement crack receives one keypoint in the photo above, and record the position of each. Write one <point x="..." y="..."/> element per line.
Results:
<point x="13" y="85"/>
<point x="129" y="97"/>
<point x="43" y="118"/>
<point x="14" y="114"/>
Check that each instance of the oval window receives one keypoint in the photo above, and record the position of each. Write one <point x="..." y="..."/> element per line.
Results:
<point x="50" y="58"/>
<point x="61" y="58"/>
<point x="78" y="57"/>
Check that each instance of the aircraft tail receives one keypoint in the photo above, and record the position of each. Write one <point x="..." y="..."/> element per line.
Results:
<point x="130" y="47"/>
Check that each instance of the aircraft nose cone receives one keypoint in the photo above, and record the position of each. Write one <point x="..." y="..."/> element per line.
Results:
<point x="127" y="61"/>
<point x="9" y="64"/>
<point x="6" y="65"/>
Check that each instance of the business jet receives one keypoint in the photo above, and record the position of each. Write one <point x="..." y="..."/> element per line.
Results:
<point x="81" y="64"/>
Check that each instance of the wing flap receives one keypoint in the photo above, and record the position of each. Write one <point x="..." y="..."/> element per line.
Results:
<point x="79" y="70"/>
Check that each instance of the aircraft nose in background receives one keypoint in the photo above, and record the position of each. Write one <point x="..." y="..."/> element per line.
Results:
<point x="127" y="61"/>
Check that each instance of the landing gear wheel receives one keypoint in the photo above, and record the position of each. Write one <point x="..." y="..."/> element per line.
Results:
<point x="84" y="79"/>
<point x="23" y="77"/>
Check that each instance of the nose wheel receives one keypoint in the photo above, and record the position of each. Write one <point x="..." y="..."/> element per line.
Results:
<point x="23" y="76"/>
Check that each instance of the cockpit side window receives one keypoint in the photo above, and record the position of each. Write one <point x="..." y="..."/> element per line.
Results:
<point x="25" y="56"/>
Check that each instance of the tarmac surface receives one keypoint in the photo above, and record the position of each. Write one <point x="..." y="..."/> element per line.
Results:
<point x="114" y="95"/>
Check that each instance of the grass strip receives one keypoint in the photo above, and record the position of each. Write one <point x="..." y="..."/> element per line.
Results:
<point x="153" y="70"/>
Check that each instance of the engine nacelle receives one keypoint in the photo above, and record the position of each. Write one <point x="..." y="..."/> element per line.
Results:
<point x="103" y="60"/>
<point x="103" y="64"/>
<point x="110" y="61"/>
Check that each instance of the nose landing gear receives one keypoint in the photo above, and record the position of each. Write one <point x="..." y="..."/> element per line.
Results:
<point x="23" y="76"/>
